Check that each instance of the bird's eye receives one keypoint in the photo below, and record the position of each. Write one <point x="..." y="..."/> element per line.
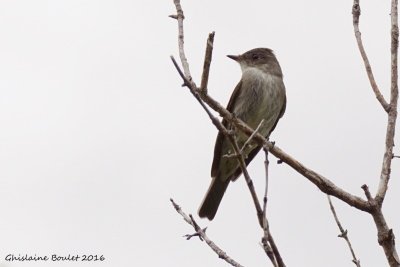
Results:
<point x="255" y="56"/>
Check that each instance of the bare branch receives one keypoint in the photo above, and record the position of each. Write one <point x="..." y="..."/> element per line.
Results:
<point x="189" y="219"/>
<point x="180" y="17"/>
<point x="189" y="236"/>
<point x="265" y="241"/>
<point x="272" y="252"/>
<point x="207" y="63"/>
<point x="268" y="250"/>
<point x="267" y="234"/>
<point x="385" y="235"/>
<point x="343" y="233"/>
<point x="195" y="92"/>
<point x="274" y="247"/>
<point x="356" y="11"/>
<point x="266" y="164"/>
<point x="392" y="115"/>
<point x="324" y="184"/>
<point x="251" y="136"/>
<point x="246" y="175"/>
<point x="386" y="238"/>
<point x="367" y="193"/>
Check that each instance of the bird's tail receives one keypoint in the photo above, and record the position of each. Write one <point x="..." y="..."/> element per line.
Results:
<point x="213" y="198"/>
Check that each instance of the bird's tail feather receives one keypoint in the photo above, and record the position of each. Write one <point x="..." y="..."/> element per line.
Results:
<point x="213" y="198"/>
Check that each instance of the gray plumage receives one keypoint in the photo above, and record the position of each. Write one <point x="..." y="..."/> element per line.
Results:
<point x="259" y="95"/>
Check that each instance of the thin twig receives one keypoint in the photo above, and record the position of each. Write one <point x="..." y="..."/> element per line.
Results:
<point x="275" y="249"/>
<point x="267" y="233"/>
<point x="251" y="136"/>
<point x="266" y="165"/>
<point x="343" y="233"/>
<point x="265" y="242"/>
<point x="192" y="86"/>
<point x="356" y="11"/>
<point x="246" y="175"/>
<point x="275" y="257"/>
<point x="189" y="219"/>
<point x="181" y="37"/>
<point x="207" y="63"/>
<point x="189" y="236"/>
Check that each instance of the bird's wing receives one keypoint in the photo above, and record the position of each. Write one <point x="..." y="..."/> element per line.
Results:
<point x="254" y="152"/>
<point x="280" y="116"/>
<point x="221" y="137"/>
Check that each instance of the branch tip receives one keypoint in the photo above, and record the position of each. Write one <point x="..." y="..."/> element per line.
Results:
<point x="367" y="193"/>
<point x="202" y="235"/>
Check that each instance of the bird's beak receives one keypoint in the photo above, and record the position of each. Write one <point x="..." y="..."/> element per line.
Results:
<point x="236" y="58"/>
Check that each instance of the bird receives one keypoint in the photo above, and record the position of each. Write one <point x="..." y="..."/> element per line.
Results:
<point x="259" y="95"/>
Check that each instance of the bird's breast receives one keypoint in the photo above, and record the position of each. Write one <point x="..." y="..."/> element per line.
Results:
<point x="262" y="97"/>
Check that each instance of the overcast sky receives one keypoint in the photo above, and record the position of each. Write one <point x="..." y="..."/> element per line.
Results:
<point x="97" y="133"/>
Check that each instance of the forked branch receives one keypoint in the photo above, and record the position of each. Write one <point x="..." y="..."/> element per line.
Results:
<point x="201" y="233"/>
<point x="356" y="11"/>
<point x="343" y="233"/>
<point x="385" y="235"/>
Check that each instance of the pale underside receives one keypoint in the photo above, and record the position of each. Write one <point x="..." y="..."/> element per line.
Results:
<point x="261" y="96"/>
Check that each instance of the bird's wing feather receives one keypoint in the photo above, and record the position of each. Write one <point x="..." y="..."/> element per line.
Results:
<point x="283" y="109"/>
<point x="221" y="137"/>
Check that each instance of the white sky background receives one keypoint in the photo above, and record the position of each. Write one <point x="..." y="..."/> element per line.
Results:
<point x="97" y="134"/>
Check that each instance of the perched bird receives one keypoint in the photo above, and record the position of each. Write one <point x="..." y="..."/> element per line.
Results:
<point x="260" y="95"/>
